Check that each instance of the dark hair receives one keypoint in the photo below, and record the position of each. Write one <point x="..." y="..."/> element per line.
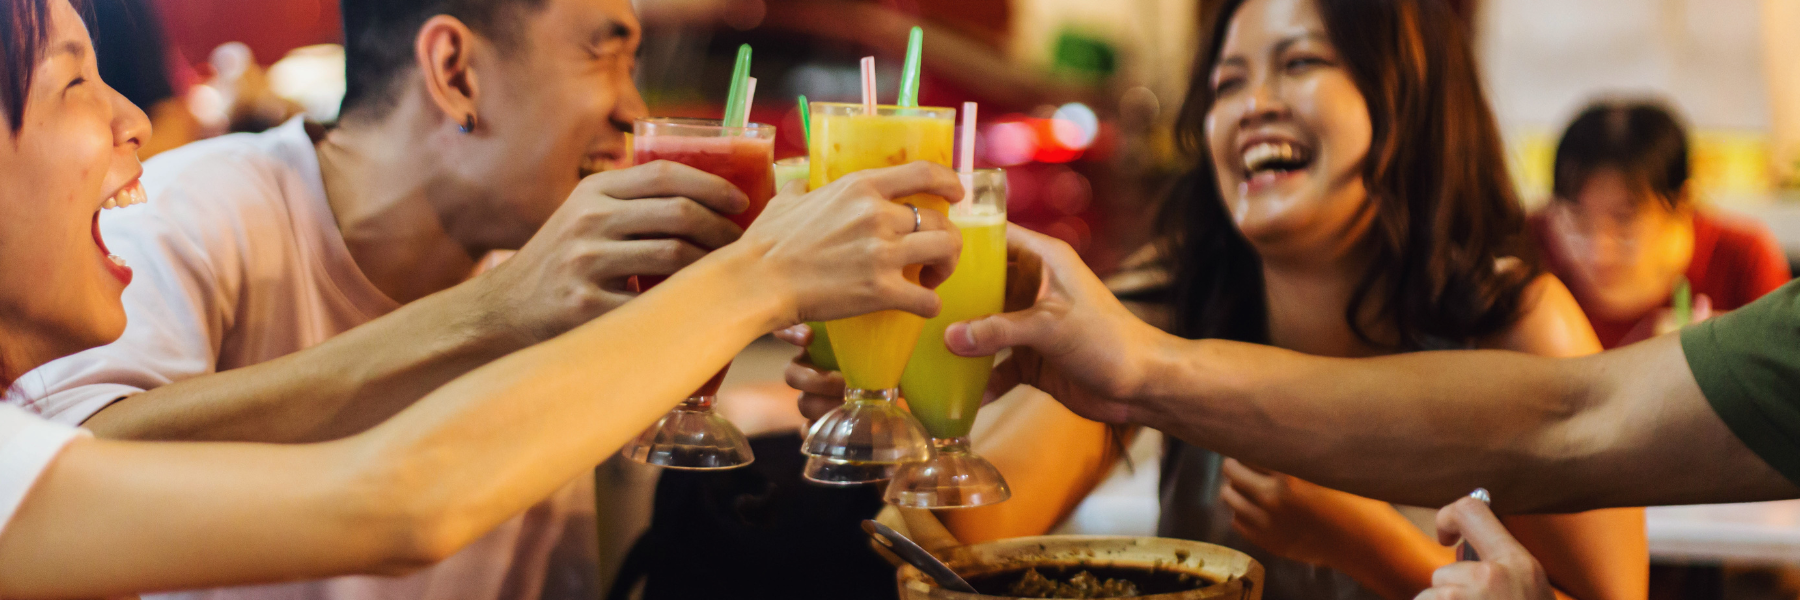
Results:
<point x="379" y="36"/>
<point x="1641" y="139"/>
<point x="24" y="27"/>
<point x="1435" y="173"/>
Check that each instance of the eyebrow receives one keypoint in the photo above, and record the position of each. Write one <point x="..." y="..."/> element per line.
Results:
<point x="1281" y="46"/>
<point x="72" y="48"/>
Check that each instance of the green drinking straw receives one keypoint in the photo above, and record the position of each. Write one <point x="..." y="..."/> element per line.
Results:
<point x="806" y="121"/>
<point x="734" y="102"/>
<point x="1684" y="303"/>
<point x="909" y="76"/>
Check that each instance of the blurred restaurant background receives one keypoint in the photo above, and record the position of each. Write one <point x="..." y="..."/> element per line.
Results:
<point x="1078" y="102"/>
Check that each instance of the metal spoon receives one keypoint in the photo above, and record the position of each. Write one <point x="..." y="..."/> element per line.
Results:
<point x="917" y="557"/>
<point x="1465" y="552"/>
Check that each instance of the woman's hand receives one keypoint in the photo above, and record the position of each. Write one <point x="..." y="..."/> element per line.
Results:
<point x="1070" y="336"/>
<point x="1505" y="572"/>
<point x="1301" y="520"/>
<point x="840" y="251"/>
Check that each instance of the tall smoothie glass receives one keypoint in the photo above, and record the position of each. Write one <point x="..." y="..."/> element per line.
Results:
<point x="692" y="436"/>
<point x="868" y="437"/>
<point x="944" y="390"/>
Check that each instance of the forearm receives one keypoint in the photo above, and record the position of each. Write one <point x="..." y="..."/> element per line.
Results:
<point x="1376" y="427"/>
<point x="492" y="442"/>
<point x="1392" y="557"/>
<point x="113" y="518"/>
<point x="342" y="386"/>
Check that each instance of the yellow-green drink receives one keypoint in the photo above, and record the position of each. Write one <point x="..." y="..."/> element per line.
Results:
<point x="943" y="390"/>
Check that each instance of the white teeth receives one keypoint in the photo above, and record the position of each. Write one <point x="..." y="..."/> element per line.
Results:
<point x="1260" y="155"/>
<point x="116" y="260"/>
<point x="133" y="194"/>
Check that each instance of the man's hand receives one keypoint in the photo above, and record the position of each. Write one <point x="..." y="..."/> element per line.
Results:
<point x="651" y="219"/>
<point x="1070" y="336"/>
<point x="1505" y="572"/>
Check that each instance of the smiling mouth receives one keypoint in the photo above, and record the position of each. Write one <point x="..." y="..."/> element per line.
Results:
<point x="1275" y="158"/>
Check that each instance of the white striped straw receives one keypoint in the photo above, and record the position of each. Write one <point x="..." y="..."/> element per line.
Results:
<point x="868" y="82"/>
<point x="967" y="164"/>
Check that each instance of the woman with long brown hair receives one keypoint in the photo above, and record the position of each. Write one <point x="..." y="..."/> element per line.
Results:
<point x="1351" y="199"/>
<point x="82" y="518"/>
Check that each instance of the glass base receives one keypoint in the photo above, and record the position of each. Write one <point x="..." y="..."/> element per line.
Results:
<point x="868" y="429"/>
<point x="830" y="472"/>
<point x="692" y="437"/>
<point x="954" y="477"/>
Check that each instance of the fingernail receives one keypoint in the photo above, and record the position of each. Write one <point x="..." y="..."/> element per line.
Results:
<point x="957" y="337"/>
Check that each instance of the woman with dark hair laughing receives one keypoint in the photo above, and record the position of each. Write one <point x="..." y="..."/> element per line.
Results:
<point x="1351" y="200"/>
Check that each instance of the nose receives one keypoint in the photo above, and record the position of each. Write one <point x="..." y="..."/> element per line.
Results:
<point x="629" y="108"/>
<point x="1263" y="102"/>
<point x="131" y="127"/>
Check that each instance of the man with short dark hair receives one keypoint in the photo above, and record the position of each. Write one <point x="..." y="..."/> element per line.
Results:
<point x="302" y="284"/>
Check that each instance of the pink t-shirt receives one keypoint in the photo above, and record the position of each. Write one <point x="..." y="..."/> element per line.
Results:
<point x="238" y="260"/>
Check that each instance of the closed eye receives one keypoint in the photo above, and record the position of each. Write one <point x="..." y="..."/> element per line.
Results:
<point x="76" y="82"/>
<point x="1295" y="64"/>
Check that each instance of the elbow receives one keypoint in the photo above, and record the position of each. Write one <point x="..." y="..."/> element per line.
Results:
<point x="401" y="524"/>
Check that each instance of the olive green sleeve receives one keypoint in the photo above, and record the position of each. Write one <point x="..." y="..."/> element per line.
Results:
<point x="1747" y="362"/>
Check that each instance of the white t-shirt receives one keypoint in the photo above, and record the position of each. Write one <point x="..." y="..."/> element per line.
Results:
<point x="238" y="260"/>
<point x="27" y="445"/>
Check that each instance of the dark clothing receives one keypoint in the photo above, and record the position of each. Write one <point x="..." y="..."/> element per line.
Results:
<point x="758" y="532"/>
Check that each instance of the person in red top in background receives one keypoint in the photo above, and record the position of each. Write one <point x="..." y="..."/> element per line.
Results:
<point x="1622" y="229"/>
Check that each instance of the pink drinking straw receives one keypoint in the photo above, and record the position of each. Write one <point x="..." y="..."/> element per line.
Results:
<point x="749" y="95"/>
<point x="967" y="164"/>
<point x="868" y="81"/>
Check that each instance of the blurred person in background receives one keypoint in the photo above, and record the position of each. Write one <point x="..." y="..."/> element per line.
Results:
<point x="468" y="126"/>
<point x="1623" y="227"/>
<point x="1353" y="200"/>
<point x="85" y="518"/>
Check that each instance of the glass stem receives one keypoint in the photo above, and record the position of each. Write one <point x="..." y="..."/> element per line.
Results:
<point x="862" y="395"/>
<point x="955" y="445"/>
<point x="697" y="403"/>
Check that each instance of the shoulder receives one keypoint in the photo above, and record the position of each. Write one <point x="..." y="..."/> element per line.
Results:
<point x="1550" y="323"/>
<point x="1737" y="235"/>
<point x="234" y="183"/>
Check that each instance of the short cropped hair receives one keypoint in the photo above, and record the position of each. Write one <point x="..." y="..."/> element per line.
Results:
<point x="379" y="35"/>
<point x="1643" y="140"/>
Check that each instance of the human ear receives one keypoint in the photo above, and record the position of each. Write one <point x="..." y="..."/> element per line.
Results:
<point x="444" y="51"/>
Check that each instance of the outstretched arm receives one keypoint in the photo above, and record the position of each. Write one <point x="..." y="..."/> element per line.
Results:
<point x="573" y="270"/>
<point x="1624" y="428"/>
<point x="111" y="518"/>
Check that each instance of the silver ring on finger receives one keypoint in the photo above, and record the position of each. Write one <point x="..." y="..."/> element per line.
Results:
<point x="918" y="222"/>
